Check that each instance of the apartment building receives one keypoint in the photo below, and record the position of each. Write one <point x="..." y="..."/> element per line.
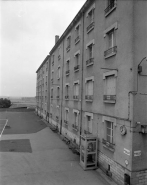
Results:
<point x="98" y="85"/>
<point x="42" y="89"/>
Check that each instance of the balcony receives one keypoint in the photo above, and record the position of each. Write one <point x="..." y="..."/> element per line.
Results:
<point x="90" y="27"/>
<point x="110" y="52"/>
<point x="68" y="48"/>
<point x="75" y="97"/>
<point x="66" y="97"/>
<point x="57" y="97"/>
<point x="66" y="122"/>
<point x="59" y="57"/>
<point x="89" y="98"/>
<point x="109" y="98"/>
<point x="77" y="39"/>
<point x="76" y="68"/>
<point x="67" y="72"/>
<point x="52" y="80"/>
<point x="90" y="62"/>
<point x="108" y="145"/>
<point x="75" y="127"/>
<point x="52" y="63"/>
<point x="110" y="7"/>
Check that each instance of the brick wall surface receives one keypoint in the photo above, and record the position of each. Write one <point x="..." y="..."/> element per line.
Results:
<point x="116" y="171"/>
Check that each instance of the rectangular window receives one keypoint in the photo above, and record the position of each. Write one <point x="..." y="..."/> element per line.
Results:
<point x="76" y="90"/>
<point x="109" y="131"/>
<point x="90" y="51"/>
<point x="76" y="119"/>
<point x="110" y="36"/>
<point x="58" y="92"/>
<point x="91" y="16"/>
<point x="88" y="124"/>
<point x="110" y="87"/>
<point x="89" y="87"/>
<point x="67" y="92"/>
<point x="66" y="117"/>
<point x="67" y="68"/>
<point x="58" y="72"/>
<point x="51" y="93"/>
<point x="68" y="43"/>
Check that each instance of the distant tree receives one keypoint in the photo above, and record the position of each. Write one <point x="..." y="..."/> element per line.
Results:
<point x="5" y="103"/>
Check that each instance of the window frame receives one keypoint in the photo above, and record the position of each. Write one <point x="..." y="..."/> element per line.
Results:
<point x="106" y="97"/>
<point x="87" y="126"/>
<point x="87" y="96"/>
<point x="110" y="51"/>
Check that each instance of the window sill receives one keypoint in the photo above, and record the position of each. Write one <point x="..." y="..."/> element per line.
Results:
<point x="111" y="10"/>
<point x="110" y="101"/>
<point x="110" y="55"/>
<point x="111" y="149"/>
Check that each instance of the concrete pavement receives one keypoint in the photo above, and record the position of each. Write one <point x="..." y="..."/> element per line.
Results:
<point x="50" y="163"/>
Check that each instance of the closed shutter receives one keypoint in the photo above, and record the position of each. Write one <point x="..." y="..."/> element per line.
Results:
<point x="90" y="87"/>
<point x="110" y="85"/>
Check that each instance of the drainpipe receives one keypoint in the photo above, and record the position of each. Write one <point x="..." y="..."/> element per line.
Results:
<point x="82" y="80"/>
<point x="62" y="91"/>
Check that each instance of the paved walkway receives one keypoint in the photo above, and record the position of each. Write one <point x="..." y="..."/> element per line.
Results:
<point x="50" y="163"/>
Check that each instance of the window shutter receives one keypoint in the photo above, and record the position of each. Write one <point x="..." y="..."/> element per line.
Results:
<point x="110" y="84"/>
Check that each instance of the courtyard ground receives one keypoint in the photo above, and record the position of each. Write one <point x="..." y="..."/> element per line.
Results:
<point x="31" y="154"/>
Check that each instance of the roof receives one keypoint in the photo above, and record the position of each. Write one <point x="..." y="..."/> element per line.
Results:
<point x="74" y="21"/>
<point x="47" y="57"/>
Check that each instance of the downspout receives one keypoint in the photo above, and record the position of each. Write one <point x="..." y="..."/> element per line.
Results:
<point x="82" y="81"/>
<point x="62" y="90"/>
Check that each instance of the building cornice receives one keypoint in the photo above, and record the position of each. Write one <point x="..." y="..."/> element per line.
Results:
<point x="72" y="24"/>
<point x="47" y="57"/>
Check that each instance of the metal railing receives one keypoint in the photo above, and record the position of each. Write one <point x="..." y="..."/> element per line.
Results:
<point x="77" y="39"/>
<point x="110" y="51"/>
<point x="90" y="62"/>
<point x="76" y="67"/>
<point x="109" y="7"/>
<point x="90" y="27"/>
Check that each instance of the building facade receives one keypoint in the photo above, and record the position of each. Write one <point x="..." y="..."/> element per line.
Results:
<point x="42" y="94"/>
<point x="98" y="85"/>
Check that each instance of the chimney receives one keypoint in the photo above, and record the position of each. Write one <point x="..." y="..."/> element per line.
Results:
<point x="56" y="38"/>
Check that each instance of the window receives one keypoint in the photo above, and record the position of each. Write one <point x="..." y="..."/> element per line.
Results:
<point x="111" y="5"/>
<point x="59" y="52"/>
<point x="58" y="92"/>
<point x="109" y="131"/>
<point x="77" y="57"/>
<point x="76" y="120"/>
<point x="52" y="93"/>
<point x="89" y="89"/>
<point x="108" y="139"/>
<point x="52" y="60"/>
<point x="77" y="33"/>
<point x="68" y="43"/>
<point x="110" y="35"/>
<point x="58" y="113"/>
<point x="76" y="90"/>
<point x="67" y="91"/>
<point x="90" y="17"/>
<point x="66" y="119"/>
<point x="90" y="58"/>
<point x="67" y="68"/>
<point x="47" y="66"/>
<point x="58" y="72"/>
<point x="88" y="123"/>
<point x="110" y="86"/>
<point x="52" y="76"/>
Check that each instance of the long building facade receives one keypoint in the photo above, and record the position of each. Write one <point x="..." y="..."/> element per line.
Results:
<point x="42" y="94"/>
<point x="97" y="85"/>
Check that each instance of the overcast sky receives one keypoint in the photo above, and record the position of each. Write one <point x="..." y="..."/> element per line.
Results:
<point x="28" y="30"/>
